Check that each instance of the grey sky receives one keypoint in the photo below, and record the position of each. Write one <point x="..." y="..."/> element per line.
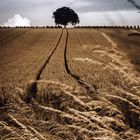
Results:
<point x="91" y="12"/>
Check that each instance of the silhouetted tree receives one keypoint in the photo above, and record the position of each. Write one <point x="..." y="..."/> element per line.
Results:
<point x="65" y="15"/>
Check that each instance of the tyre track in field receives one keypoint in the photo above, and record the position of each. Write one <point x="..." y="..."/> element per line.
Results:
<point x="75" y="76"/>
<point x="91" y="55"/>
<point x="4" y="31"/>
<point x="32" y="88"/>
<point x="124" y="101"/>
<point x="44" y="65"/>
<point x="12" y="37"/>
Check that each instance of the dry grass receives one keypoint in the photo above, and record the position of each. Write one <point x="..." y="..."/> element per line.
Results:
<point x="58" y="106"/>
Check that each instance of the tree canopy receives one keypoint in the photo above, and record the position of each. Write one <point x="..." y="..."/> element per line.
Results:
<point x="65" y="15"/>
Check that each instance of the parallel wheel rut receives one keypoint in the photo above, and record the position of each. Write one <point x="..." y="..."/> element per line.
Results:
<point x="32" y="89"/>
<point x="80" y="81"/>
<point x="12" y="37"/>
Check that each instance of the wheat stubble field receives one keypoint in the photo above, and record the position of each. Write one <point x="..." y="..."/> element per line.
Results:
<point x="69" y="84"/>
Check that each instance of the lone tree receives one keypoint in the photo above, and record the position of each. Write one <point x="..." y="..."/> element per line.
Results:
<point x="65" y="15"/>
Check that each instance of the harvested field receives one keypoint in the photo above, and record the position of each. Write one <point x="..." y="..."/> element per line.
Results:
<point x="69" y="84"/>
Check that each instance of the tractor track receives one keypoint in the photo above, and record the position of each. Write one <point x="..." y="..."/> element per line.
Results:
<point x="90" y="54"/>
<point x="48" y="59"/>
<point x="32" y="89"/>
<point x="59" y="111"/>
<point x="12" y="37"/>
<point x="76" y="77"/>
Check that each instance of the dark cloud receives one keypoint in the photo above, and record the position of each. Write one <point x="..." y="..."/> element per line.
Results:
<point x="134" y="3"/>
<point x="40" y="11"/>
<point x="106" y="5"/>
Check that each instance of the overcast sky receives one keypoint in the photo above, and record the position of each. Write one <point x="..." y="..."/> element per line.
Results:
<point x="91" y="12"/>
